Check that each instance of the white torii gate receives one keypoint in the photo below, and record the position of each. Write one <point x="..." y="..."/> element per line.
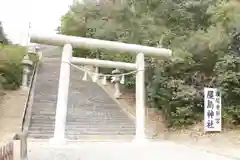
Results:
<point x="78" y="42"/>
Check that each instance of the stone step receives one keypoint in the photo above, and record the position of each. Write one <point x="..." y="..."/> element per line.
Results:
<point x="80" y="110"/>
<point x="79" y="114"/>
<point x="76" y="129"/>
<point x="87" y="138"/>
<point x="87" y="129"/>
<point x="82" y="125"/>
<point x="44" y="112"/>
<point x="87" y="132"/>
<point x="46" y="100"/>
<point x="83" y="137"/>
<point x="98" y="137"/>
<point x="78" y="107"/>
<point x="82" y="121"/>
<point x="79" y="127"/>
<point x="81" y="117"/>
<point x="40" y="136"/>
<point x="102" y="124"/>
<point x="44" y="105"/>
<point x="49" y="124"/>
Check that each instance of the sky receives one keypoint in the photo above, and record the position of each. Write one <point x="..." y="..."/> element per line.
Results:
<point x="44" y="16"/>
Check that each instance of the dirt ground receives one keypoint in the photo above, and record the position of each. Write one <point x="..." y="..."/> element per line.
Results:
<point x="227" y="141"/>
<point x="11" y="111"/>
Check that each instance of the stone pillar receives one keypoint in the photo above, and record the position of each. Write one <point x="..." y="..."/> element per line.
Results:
<point x="140" y="100"/>
<point x="62" y="99"/>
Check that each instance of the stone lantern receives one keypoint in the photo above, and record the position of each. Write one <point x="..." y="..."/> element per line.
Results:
<point x="27" y="64"/>
<point x="116" y="79"/>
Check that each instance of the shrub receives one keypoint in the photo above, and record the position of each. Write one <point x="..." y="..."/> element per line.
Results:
<point x="170" y="92"/>
<point x="12" y="72"/>
<point x="227" y="79"/>
<point x="177" y="90"/>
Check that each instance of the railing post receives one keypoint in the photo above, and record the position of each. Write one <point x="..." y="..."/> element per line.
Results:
<point x="22" y="137"/>
<point x="62" y="100"/>
<point x="23" y="146"/>
<point x="140" y="99"/>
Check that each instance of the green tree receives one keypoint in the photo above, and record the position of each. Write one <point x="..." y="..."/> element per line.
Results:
<point x="204" y="37"/>
<point x="3" y="38"/>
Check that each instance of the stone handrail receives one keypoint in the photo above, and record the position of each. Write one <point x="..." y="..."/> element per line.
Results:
<point x="33" y="77"/>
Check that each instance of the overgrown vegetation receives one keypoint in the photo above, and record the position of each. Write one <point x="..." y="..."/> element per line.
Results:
<point x="10" y="62"/>
<point x="203" y="34"/>
<point x="11" y="66"/>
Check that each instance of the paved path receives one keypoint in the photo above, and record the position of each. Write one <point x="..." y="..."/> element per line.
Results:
<point x="164" y="150"/>
<point x="11" y="111"/>
<point x="91" y="111"/>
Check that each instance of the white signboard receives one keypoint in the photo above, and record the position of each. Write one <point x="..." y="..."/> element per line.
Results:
<point x="212" y="110"/>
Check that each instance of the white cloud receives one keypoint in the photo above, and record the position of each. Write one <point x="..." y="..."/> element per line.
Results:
<point x="43" y="14"/>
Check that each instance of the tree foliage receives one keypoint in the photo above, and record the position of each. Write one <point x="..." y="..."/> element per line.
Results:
<point x="3" y="38"/>
<point x="203" y="34"/>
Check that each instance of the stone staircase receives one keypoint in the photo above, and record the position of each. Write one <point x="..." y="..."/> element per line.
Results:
<point x="91" y="111"/>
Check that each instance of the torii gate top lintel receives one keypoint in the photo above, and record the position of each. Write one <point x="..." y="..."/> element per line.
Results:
<point x="80" y="42"/>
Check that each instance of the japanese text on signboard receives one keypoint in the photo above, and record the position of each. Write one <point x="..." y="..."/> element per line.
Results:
<point x="212" y="109"/>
